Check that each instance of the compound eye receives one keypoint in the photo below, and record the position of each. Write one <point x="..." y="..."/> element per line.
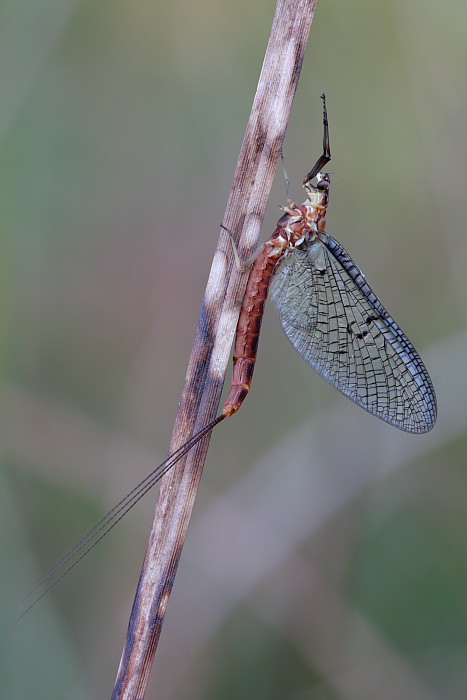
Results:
<point x="322" y="185"/>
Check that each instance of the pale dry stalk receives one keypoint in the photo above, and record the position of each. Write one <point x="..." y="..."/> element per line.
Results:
<point x="216" y="327"/>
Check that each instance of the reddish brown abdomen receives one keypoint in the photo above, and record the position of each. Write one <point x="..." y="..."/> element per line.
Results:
<point x="248" y="328"/>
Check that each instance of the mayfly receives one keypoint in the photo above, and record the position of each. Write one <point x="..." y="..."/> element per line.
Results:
<point x="331" y="316"/>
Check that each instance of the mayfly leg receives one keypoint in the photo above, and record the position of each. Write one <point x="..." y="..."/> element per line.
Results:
<point x="326" y="156"/>
<point x="286" y="177"/>
<point x="242" y="267"/>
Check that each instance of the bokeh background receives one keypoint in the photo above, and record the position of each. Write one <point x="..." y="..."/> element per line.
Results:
<point x="326" y="553"/>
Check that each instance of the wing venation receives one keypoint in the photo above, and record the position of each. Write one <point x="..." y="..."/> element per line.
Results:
<point x="337" y="324"/>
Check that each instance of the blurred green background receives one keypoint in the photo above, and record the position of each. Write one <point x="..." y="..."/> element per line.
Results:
<point x="326" y="555"/>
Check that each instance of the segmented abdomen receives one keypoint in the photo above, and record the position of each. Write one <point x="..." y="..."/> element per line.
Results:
<point x="248" y="328"/>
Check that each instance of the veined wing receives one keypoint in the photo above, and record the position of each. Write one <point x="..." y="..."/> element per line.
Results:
<point x="335" y="321"/>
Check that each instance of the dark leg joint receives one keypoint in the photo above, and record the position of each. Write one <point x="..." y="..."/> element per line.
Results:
<point x="326" y="157"/>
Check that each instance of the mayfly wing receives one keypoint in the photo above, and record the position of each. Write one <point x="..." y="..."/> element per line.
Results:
<point x="335" y="321"/>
